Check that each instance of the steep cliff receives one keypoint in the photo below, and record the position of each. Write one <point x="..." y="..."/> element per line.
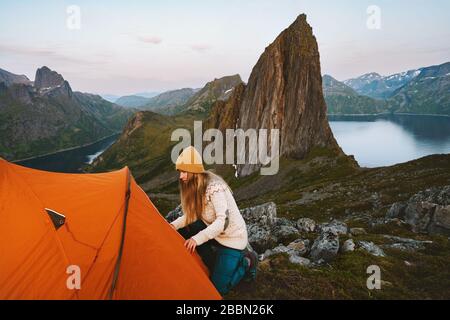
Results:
<point x="284" y="92"/>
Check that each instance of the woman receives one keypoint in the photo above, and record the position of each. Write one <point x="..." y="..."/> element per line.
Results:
<point x="212" y="223"/>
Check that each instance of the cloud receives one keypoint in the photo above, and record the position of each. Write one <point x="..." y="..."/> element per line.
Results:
<point x="199" y="47"/>
<point x="36" y="52"/>
<point x="150" y="39"/>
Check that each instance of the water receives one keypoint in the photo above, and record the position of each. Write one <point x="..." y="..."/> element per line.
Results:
<point x="70" y="161"/>
<point x="373" y="140"/>
<point x="389" y="139"/>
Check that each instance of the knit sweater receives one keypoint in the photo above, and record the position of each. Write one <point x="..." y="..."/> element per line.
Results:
<point x="218" y="200"/>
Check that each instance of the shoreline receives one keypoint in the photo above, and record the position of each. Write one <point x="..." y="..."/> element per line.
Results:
<point x="65" y="149"/>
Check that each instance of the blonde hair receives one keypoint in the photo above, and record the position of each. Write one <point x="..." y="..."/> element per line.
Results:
<point x="193" y="194"/>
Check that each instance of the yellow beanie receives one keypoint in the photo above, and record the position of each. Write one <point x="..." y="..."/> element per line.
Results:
<point x="190" y="161"/>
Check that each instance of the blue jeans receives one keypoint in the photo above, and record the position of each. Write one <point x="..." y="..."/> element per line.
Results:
<point x="226" y="265"/>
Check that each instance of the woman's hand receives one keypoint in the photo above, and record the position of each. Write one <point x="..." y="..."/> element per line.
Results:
<point x="190" y="244"/>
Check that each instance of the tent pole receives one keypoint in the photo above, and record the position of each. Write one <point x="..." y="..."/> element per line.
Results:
<point x="124" y="225"/>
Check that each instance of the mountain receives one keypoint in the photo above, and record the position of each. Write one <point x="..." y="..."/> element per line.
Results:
<point x="420" y="91"/>
<point x="146" y="94"/>
<point x="380" y="87"/>
<point x="198" y="101"/>
<point x="132" y="101"/>
<point x="9" y="78"/>
<point x="427" y="93"/>
<point x="169" y="100"/>
<point x="136" y="100"/>
<point x="320" y="201"/>
<point x="284" y="92"/>
<point x="145" y="145"/>
<point x="48" y="116"/>
<point x="110" y="97"/>
<point x="341" y="99"/>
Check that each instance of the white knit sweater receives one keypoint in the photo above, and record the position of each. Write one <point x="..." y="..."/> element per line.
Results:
<point x="219" y="199"/>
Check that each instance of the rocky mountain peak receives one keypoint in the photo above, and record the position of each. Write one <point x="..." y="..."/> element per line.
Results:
<point x="47" y="78"/>
<point x="284" y="92"/>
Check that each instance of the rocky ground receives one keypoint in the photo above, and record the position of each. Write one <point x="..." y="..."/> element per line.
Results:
<point x="319" y="242"/>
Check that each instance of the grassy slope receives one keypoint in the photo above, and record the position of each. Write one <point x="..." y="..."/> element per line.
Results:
<point x="344" y="191"/>
<point x="322" y="186"/>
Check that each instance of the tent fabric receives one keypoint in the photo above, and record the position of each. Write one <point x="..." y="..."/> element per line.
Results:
<point x="36" y="257"/>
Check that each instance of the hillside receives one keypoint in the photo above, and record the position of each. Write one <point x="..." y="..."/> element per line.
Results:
<point x="316" y="182"/>
<point x="48" y="116"/>
<point x="422" y="91"/>
<point x="341" y="99"/>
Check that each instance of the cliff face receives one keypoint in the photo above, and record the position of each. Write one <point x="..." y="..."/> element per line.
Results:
<point x="284" y="92"/>
<point x="46" y="78"/>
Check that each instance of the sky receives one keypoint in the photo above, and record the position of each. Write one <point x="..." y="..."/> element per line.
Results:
<point x="124" y="47"/>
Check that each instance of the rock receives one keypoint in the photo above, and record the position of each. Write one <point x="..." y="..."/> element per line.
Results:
<point x="46" y="78"/>
<point x="299" y="260"/>
<point x="278" y="249"/>
<point x="263" y="225"/>
<point x="325" y="247"/>
<point x="263" y="215"/>
<point x="348" y="246"/>
<point x="284" y="91"/>
<point x="371" y="248"/>
<point x="397" y="210"/>
<point x="376" y="200"/>
<point x="285" y="232"/>
<point x="335" y="226"/>
<point x="260" y="237"/>
<point x="357" y="231"/>
<point x="306" y="225"/>
<point x="405" y="244"/>
<point x="293" y="254"/>
<point x="428" y="211"/>
<point x="284" y="222"/>
<point x="299" y="246"/>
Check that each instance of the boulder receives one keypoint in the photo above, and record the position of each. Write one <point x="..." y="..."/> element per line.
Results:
<point x="306" y="225"/>
<point x="260" y="237"/>
<point x="371" y="248"/>
<point x="334" y="226"/>
<point x="263" y="215"/>
<point x="349" y="245"/>
<point x="299" y="260"/>
<point x="428" y="211"/>
<point x="397" y="210"/>
<point x="325" y="247"/>
<point x="405" y="244"/>
<point x="285" y="232"/>
<point x="299" y="246"/>
<point x="294" y="255"/>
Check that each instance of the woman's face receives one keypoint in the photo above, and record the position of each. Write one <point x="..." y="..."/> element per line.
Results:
<point x="183" y="176"/>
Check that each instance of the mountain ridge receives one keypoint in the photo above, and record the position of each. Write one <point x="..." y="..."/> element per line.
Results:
<point x="47" y="116"/>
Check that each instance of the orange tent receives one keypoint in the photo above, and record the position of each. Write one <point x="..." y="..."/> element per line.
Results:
<point x="90" y="236"/>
